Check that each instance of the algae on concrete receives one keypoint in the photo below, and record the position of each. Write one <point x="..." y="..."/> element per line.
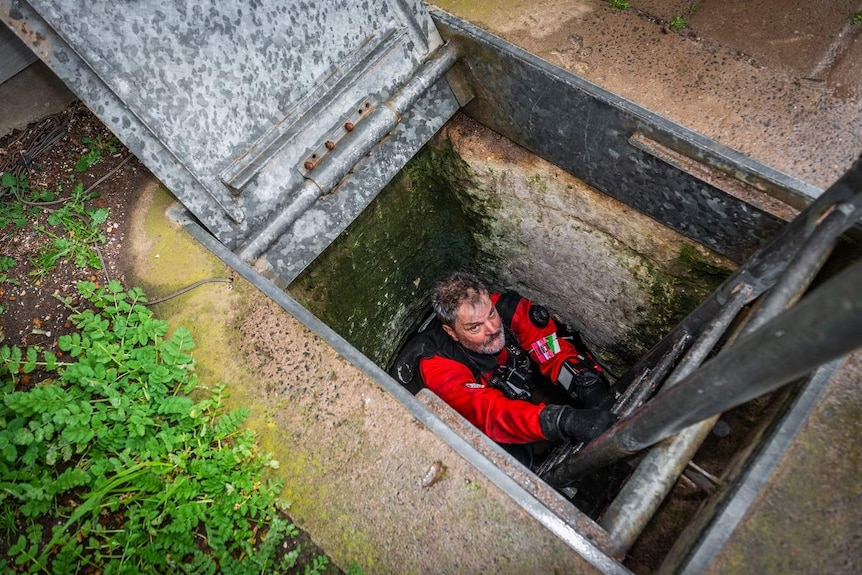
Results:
<point x="371" y="285"/>
<point x="615" y="275"/>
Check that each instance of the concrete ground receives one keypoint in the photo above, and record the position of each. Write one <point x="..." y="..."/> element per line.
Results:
<point x="778" y="81"/>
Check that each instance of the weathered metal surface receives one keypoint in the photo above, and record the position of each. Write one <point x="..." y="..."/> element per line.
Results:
<point x="14" y="55"/>
<point x="586" y="131"/>
<point x="380" y="122"/>
<point x="226" y="103"/>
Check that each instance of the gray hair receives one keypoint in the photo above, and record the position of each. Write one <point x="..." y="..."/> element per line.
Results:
<point x="451" y="292"/>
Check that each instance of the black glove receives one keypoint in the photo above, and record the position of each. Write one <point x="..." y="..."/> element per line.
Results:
<point x="587" y="385"/>
<point x="565" y="422"/>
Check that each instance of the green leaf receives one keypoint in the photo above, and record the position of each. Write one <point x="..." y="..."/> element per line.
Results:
<point x="78" y="434"/>
<point x="7" y="263"/>
<point x="8" y="180"/>
<point x="69" y="479"/>
<point x="32" y="357"/>
<point x="50" y="361"/>
<point x="181" y="405"/>
<point x="13" y="360"/>
<point x="99" y="216"/>
<point x="229" y="423"/>
<point x="22" y="437"/>
<point x="9" y="452"/>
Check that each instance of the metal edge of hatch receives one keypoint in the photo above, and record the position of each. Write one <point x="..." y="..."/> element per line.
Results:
<point x="530" y="504"/>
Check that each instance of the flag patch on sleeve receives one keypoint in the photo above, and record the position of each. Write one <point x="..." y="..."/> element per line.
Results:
<point x="545" y="348"/>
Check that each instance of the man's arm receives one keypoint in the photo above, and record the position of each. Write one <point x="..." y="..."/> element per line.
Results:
<point x="503" y="420"/>
<point x="557" y="358"/>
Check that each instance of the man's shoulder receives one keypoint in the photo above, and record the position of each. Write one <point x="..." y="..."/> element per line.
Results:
<point x="506" y="304"/>
<point x="431" y="342"/>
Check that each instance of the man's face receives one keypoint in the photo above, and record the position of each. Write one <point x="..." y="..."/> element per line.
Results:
<point x="478" y="327"/>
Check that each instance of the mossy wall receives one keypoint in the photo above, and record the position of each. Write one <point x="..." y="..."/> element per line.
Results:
<point x="472" y="199"/>
<point x="372" y="284"/>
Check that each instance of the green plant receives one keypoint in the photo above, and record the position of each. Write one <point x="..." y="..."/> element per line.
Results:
<point x="12" y="211"/>
<point x="856" y="18"/>
<point x="692" y="7"/>
<point x="80" y="229"/>
<point x="143" y="478"/>
<point x="6" y="264"/>
<point x="619" y="4"/>
<point x="97" y="148"/>
<point x="678" y="23"/>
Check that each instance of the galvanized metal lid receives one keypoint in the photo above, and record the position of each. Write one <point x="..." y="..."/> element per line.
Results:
<point x="252" y="113"/>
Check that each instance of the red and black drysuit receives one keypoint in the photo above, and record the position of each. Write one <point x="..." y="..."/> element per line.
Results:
<point x="462" y="377"/>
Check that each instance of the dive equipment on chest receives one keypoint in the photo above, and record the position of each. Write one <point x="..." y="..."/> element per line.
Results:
<point x="514" y="377"/>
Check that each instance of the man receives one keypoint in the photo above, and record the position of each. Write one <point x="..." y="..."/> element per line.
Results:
<point x="478" y="354"/>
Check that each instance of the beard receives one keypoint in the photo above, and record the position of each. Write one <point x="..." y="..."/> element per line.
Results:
<point x="492" y="345"/>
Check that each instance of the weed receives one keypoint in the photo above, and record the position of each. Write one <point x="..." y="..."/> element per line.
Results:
<point x="692" y="7"/>
<point x="317" y="566"/>
<point x="76" y="227"/>
<point x="13" y="211"/>
<point x="80" y="229"/>
<point x="856" y="19"/>
<point x="97" y="148"/>
<point x="619" y="4"/>
<point x="141" y="477"/>
<point x="6" y="264"/>
<point x="678" y="23"/>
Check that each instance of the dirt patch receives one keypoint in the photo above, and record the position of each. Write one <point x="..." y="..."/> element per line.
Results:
<point x="30" y="290"/>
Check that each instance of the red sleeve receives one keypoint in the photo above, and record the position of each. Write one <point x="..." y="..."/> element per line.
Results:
<point x="532" y="337"/>
<point x="502" y="419"/>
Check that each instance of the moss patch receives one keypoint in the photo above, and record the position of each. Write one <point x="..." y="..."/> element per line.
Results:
<point x="371" y="285"/>
<point x="699" y="267"/>
<point x="672" y="296"/>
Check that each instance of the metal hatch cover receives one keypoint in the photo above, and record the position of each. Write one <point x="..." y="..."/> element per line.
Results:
<point x="275" y="123"/>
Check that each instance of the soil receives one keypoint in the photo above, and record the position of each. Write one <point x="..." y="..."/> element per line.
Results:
<point x="33" y="313"/>
<point x="45" y="152"/>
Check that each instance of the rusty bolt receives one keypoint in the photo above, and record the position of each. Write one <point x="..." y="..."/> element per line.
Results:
<point x="329" y="144"/>
<point x="309" y="165"/>
<point x="349" y="126"/>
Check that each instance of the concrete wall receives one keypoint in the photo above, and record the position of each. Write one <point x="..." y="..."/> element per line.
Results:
<point x="473" y="199"/>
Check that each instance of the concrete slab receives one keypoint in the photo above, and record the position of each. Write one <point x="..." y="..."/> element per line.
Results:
<point x="804" y="128"/>
<point x="845" y="76"/>
<point x="33" y="93"/>
<point x="794" y="37"/>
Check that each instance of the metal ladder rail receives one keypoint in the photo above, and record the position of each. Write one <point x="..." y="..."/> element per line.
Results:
<point x="819" y="329"/>
<point x="760" y="271"/>
<point x="657" y="473"/>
